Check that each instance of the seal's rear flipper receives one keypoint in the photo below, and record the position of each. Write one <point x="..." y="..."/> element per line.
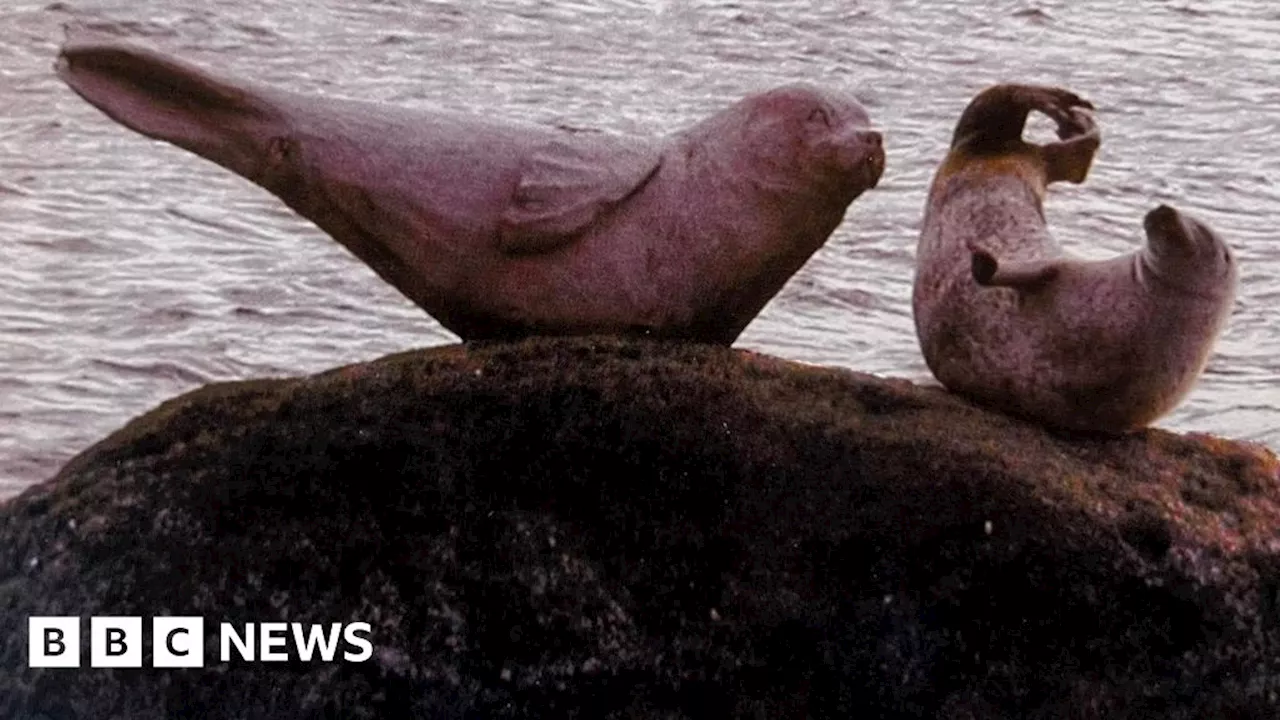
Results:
<point x="1070" y="159"/>
<point x="997" y="116"/>
<point x="1026" y="275"/>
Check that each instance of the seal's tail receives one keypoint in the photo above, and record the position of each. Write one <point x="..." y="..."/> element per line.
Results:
<point x="996" y="117"/>
<point x="166" y="99"/>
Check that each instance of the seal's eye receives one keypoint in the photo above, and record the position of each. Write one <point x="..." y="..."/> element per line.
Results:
<point x="820" y="114"/>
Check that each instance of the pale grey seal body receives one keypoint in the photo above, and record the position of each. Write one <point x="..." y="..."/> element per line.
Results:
<point x="1005" y="317"/>
<point x="501" y="229"/>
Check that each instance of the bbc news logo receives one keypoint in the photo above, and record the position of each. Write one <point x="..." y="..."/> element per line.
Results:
<point x="178" y="642"/>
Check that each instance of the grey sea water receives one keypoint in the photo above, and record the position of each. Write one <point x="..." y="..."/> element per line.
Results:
<point x="131" y="271"/>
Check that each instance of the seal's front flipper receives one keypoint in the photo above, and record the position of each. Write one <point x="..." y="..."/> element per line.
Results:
<point x="566" y="185"/>
<point x="1071" y="158"/>
<point x="1025" y="275"/>
<point x="166" y="99"/>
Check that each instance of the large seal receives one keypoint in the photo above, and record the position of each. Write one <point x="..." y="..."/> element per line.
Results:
<point x="500" y="229"/>
<point x="1004" y="317"/>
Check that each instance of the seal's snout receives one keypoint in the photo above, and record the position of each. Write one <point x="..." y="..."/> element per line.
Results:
<point x="1164" y="227"/>
<point x="1162" y="216"/>
<point x="861" y="153"/>
<point x="1177" y="234"/>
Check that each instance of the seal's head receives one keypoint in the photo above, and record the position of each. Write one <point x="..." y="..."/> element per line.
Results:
<point x="798" y="136"/>
<point x="1187" y="253"/>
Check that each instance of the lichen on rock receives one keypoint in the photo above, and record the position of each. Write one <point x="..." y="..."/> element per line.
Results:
<point x="616" y="528"/>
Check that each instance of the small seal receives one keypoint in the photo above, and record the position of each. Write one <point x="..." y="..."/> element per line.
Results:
<point x="1006" y="318"/>
<point x="500" y="229"/>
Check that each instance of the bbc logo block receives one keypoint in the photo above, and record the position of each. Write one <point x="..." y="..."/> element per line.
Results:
<point x="179" y="642"/>
<point x="53" y="642"/>
<point x="115" y="642"/>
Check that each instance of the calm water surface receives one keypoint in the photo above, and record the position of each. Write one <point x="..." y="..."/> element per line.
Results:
<point x="131" y="271"/>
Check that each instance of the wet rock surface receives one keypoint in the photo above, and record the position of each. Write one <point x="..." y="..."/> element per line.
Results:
<point x="604" y="528"/>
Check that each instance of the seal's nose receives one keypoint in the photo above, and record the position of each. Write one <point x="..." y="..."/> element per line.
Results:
<point x="871" y="138"/>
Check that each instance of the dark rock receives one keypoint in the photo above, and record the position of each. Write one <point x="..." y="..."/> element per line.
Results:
<point x="597" y="528"/>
